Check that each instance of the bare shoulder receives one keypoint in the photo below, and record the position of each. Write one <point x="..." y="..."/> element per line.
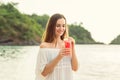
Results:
<point x="44" y="45"/>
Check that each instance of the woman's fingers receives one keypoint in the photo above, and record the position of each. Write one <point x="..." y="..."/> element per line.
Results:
<point x="65" y="51"/>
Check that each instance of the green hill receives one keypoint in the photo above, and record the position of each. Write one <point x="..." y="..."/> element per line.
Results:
<point x="17" y="28"/>
<point x="116" y="40"/>
<point x="81" y="35"/>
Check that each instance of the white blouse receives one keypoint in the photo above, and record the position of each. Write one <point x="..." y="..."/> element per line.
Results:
<point x="62" y="71"/>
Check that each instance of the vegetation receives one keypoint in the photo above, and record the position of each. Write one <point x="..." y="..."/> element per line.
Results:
<point x="23" y="29"/>
<point x="116" y="40"/>
<point x="81" y="35"/>
<point x="20" y="28"/>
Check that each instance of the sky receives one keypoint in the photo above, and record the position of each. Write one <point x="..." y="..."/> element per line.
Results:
<point x="100" y="17"/>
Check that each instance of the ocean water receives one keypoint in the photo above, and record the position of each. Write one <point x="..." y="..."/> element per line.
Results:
<point x="96" y="62"/>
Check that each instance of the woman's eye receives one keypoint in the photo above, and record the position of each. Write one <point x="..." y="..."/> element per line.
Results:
<point x="63" y="25"/>
<point x="58" y="25"/>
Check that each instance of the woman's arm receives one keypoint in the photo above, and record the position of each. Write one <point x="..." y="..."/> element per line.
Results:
<point x="74" y="61"/>
<point x="50" y="66"/>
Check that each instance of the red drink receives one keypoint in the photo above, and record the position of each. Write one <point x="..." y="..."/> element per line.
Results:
<point x="67" y="44"/>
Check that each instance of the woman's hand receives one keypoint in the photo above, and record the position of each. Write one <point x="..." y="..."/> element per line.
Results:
<point x="65" y="51"/>
<point x="74" y="61"/>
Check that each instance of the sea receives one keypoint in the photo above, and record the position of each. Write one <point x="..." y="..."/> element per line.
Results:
<point x="96" y="62"/>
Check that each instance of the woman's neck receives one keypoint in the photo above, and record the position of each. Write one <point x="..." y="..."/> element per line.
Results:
<point x="57" y="42"/>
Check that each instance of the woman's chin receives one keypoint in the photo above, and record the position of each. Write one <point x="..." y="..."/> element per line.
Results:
<point x="59" y="34"/>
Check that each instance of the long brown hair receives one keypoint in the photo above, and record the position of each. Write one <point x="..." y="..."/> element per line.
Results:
<point x="49" y="34"/>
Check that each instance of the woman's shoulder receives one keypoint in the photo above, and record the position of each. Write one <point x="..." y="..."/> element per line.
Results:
<point x="44" y="45"/>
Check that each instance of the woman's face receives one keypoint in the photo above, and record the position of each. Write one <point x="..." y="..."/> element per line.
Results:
<point x="60" y="27"/>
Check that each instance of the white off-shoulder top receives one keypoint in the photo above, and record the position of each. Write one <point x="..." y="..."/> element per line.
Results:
<point x="62" y="71"/>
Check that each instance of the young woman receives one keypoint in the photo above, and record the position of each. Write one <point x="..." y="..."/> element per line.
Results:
<point x="54" y="60"/>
